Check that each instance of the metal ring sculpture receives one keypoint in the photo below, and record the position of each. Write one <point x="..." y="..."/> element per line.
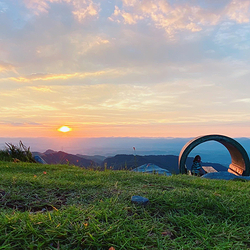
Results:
<point x="240" y="164"/>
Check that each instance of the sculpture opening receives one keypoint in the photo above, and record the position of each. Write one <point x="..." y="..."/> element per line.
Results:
<point x="240" y="164"/>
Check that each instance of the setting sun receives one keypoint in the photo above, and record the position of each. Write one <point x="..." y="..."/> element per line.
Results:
<point x="64" y="129"/>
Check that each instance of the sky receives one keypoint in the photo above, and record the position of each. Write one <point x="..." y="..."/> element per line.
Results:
<point x="124" y="68"/>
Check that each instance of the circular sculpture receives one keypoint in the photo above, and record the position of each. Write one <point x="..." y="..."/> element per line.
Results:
<point x="240" y="164"/>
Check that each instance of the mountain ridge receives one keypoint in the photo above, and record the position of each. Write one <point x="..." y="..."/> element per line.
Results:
<point x="169" y="162"/>
<point x="119" y="161"/>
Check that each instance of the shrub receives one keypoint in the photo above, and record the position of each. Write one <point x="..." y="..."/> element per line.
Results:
<point x="5" y="156"/>
<point x="19" y="152"/>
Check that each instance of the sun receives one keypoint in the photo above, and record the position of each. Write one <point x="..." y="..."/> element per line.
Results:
<point x="64" y="129"/>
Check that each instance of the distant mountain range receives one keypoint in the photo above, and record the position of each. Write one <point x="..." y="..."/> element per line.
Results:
<point x="169" y="162"/>
<point x="120" y="161"/>
<point x="95" y="158"/>
<point x="101" y="148"/>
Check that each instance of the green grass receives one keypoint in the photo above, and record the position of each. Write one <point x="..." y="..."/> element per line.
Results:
<point x="72" y="208"/>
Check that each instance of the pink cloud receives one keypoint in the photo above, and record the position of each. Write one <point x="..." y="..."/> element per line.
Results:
<point x="173" y="18"/>
<point x="6" y="67"/>
<point x="82" y="9"/>
<point x="239" y="11"/>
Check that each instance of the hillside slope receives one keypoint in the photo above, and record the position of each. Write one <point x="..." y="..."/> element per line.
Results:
<point x="60" y="157"/>
<point x="64" y="207"/>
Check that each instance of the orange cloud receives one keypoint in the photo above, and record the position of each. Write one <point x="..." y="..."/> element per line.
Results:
<point x="43" y="77"/>
<point x="239" y="11"/>
<point x="83" y="44"/>
<point x="83" y="12"/>
<point x="47" y="77"/>
<point x="81" y="8"/>
<point x="127" y="17"/>
<point x="37" y="6"/>
<point x="42" y="89"/>
<point x="6" y="67"/>
<point x="161" y="13"/>
<point x="173" y="18"/>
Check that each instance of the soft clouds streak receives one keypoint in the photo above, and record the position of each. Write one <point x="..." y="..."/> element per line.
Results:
<point x="49" y="77"/>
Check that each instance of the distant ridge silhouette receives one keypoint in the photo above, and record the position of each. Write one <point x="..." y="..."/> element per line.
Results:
<point x="120" y="161"/>
<point x="169" y="162"/>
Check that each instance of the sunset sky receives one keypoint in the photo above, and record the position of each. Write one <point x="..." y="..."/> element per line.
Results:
<point x="138" y="68"/>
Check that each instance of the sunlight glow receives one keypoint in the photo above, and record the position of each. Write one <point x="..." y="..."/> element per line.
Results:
<point x="64" y="129"/>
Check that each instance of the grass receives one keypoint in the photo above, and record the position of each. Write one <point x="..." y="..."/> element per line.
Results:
<point x="66" y="207"/>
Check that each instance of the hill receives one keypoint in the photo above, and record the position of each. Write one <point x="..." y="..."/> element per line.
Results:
<point x="53" y="157"/>
<point x="169" y="162"/>
<point x="95" y="158"/>
<point x="64" y="207"/>
<point x="121" y="161"/>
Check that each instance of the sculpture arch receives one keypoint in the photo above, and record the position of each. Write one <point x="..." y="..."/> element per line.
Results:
<point x="240" y="164"/>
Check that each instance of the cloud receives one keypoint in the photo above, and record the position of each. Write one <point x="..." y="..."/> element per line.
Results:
<point x="3" y="7"/>
<point x="244" y="100"/>
<point x="239" y="11"/>
<point x="6" y="67"/>
<point x="128" y="18"/>
<point x="82" y="12"/>
<point x="42" y="89"/>
<point x="164" y="16"/>
<point x="176" y="17"/>
<point x="84" y="44"/>
<point x="22" y="124"/>
<point x="42" y="77"/>
<point x="81" y="9"/>
<point x="37" y="6"/>
<point x="49" y="77"/>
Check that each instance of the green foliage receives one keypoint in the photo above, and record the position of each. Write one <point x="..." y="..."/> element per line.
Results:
<point x="5" y="156"/>
<point x="66" y="207"/>
<point x="16" y="153"/>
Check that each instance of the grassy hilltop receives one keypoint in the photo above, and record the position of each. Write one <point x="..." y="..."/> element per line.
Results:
<point x="66" y="207"/>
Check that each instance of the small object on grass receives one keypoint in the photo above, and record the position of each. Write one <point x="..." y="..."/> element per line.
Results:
<point x="139" y="200"/>
<point x="209" y="169"/>
<point x="167" y="233"/>
<point x="2" y="192"/>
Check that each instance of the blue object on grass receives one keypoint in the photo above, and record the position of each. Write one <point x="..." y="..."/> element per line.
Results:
<point x="152" y="169"/>
<point x="39" y="159"/>
<point x="224" y="175"/>
<point x="139" y="200"/>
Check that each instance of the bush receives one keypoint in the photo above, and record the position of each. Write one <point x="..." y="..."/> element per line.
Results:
<point x="16" y="153"/>
<point x="5" y="156"/>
